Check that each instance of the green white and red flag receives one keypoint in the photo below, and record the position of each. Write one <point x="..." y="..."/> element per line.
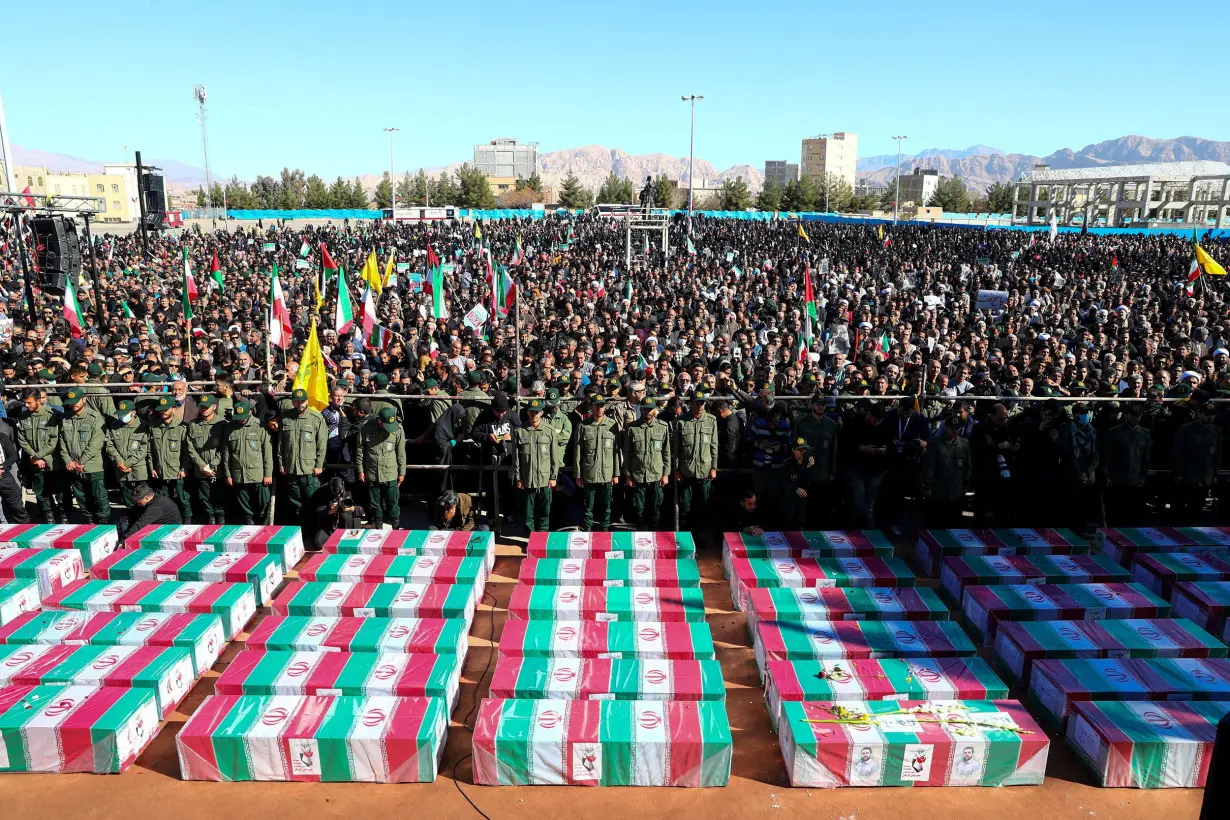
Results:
<point x="960" y="571"/>
<point x="376" y="600"/>
<point x="985" y="607"/>
<point x="431" y="636"/>
<point x="607" y="679"/>
<point x="435" y="282"/>
<point x="235" y="604"/>
<point x="817" y="640"/>
<point x="261" y="570"/>
<point x="367" y="674"/>
<point x="410" y="542"/>
<point x="73" y="314"/>
<point x="367" y="320"/>
<point x="611" y="545"/>
<point x="17" y="596"/>
<point x="597" y="572"/>
<point x="934" y="545"/>
<point x="343" y="314"/>
<point x="816" y="572"/>
<point x="399" y="569"/>
<point x="1163" y="571"/>
<point x="1204" y="603"/>
<point x="190" y="289"/>
<point x="812" y="543"/>
<point x="52" y="569"/>
<point x="215" y="274"/>
<point x="279" y="315"/>
<point x="1122" y="544"/>
<point x="284" y="542"/>
<point x="810" y="315"/>
<point x="801" y="604"/>
<point x="541" y="602"/>
<point x="645" y="640"/>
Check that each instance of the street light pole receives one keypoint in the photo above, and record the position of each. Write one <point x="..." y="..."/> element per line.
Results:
<point x="392" y="173"/>
<point x="897" y="196"/>
<point x="692" y="98"/>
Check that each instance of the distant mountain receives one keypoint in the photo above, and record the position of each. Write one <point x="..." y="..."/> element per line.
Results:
<point x="176" y="172"/>
<point x="878" y="161"/>
<point x="594" y="163"/>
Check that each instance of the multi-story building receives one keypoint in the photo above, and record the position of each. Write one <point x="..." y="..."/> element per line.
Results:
<point x="506" y="157"/>
<point x="918" y="187"/>
<point x="831" y="154"/>
<point x="113" y="187"/>
<point x="781" y="172"/>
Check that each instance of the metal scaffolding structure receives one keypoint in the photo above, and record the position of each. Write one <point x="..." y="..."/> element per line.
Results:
<point x="647" y="222"/>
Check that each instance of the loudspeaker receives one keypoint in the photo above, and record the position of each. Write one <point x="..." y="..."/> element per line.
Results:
<point x="59" y="252"/>
<point x="153" y="188"/>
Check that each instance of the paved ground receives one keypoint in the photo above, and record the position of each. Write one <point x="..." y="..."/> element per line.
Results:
<point x="758" y="788"/>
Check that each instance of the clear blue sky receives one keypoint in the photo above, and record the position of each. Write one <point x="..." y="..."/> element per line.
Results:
<point x="310" y="84"/>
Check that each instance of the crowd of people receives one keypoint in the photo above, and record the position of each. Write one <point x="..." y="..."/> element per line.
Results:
<point x="697" y="391"/>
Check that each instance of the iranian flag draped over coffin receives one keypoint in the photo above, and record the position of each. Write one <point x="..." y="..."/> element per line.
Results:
<point x="809" y="544"/>
<point x="912" y="743"/>
<point x="401" y="569"/>
<point x="17" y="597"/>
<point x="844" y="604"/>
<point x="1161" y="571"/>
<point x="91" y="542"/>
<point x="431" y="636"/>
<point x="235" y="604"/>
<point x="263" y="572"/>
<point x="1205" y="603"/>
<point x="960" y="572"/>
<point x="1146" y="745"/>
<point x="342" y="673"/>
<point x="1055" y="685"/>
<point x="74" y="729"/>
<point x="1020" y="643"/>
<point x="621" y="572"/>
<point x="816" y="640"/>
<point x="51" y="569"/>
<point x="284" y="542"/>
<point x="534" y="602"/>
<point x="985" y="607"/>
<point x="611" y="545"/>
<point x="376" y="600"/>
<point x="202" y="635"/>
<point x="411" y="542"/>
<point x="616" y="641"/>
<point x="813" y="573"/>
<point x="602" y="743"/>
<point x="935" y="545"/>
<point x="166" y="672"/>
<point x="313" y="739"/>
<point x="1124" y="543"/>
<point x="606" y="679"/>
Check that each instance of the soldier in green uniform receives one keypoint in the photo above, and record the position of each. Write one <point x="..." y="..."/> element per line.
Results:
<point x="381" y="380"/>
<point x="206" y="434"/>
<point x="821" y="431"/>
<point x="1194" y="460"/>
<point x="476" y="400"/>
<point x="380" y="461"/>
<point x="535" y="465"/>
<point x="169" y="455"/>
<point x="247" y="464"/>
<point x="435" y="407"/>
<point x="948" y="470"/>
<point x="794" y="482"/>
<point x="560" y="423"/>
<point x="647" y="463"/>
<point x="81" y="451"/>
<point x="224" y="391"/>
<point x="596" y="465"/>
<point x="97" y="397"/>
<point x="38" y="433"/>
<point x="1126" y="467"/>
<point x="128" y="448"/>
<point x="303" y="440"/>
<point x="695" y="453"/>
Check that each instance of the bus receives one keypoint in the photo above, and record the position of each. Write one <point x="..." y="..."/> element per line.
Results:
<point x="419" y="214"/>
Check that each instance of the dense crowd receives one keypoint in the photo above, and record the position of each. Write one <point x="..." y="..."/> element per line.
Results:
<point x="684" y="386"/>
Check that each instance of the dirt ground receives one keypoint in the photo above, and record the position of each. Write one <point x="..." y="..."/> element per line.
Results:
<point x="758" y="787"/>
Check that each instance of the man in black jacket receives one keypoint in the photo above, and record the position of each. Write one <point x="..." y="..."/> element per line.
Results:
<point x="150" y="510"/>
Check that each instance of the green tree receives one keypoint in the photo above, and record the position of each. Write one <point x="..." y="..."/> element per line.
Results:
<point x="572" y="194"/>
<point x="734" y="195"/>
<point x="384" y="191"/>
<point x="267" y="193"/>
<point x="834" y="193"/>
<point x="950" y="195"/>
<point x="239" y="196"/>
<point x="664" y="192"/>
<point x="889" y="196"/>
<point x="292" y="189"/>
<point x="616" y="190"/>
<point x="339" y="194"/>
<point x="474" y="189"/>
<point x="215" y="198"/>
<point x="999" y="198"/>
<point x="793" y="196"/>
<point x="443" y="191"/>
<point x="358" y="195"/>
<point x="534" y="183"/>
<point x="315" y="193"/>
<point x="200" y="197"/>
<point x="862" y="203"/>
<point x="770" y="197"/>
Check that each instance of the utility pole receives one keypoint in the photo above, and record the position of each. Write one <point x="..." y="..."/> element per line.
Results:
<point x="897" y="196"/>
<point x="392" y="173"/>
<point x="141" y="207"/>
<point x="692" y="98"/>
<point x="198" y="91"/>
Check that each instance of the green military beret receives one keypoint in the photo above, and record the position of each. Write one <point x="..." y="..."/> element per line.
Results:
<point x="242" y="410"/>
<point x="166" y="403"/>
<point x="299" y="395"/>
<point x="74" y="395"/>
<point x="534" y="405"/>
<point x="125" y="406"/>
<point x="206" y="401"/>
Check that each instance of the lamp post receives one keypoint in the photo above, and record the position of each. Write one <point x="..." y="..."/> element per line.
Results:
<point x="897" y="196"/>
<point x="392" y="173"/>
<point x="692" y="98"/>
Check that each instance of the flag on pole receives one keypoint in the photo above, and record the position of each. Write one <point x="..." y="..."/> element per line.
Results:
<point x="110" y="252"/>
<point x="478" y="232"/>
<point x="880" y="231"/>
<point x="189" y="281"/>
<point x="343" y="314"/>
<point x="215" y="274"/>
<point x="691" y="247"/>
<point x="1054" y="226"/>
<point x="495" y="288"/>
<point x="326" y="261"/>
<point x="1208" y="263"/>
<point x="810" y="314"/>
<point x="628" y="291"/>
<point x="506" y="292"/>
<point x="371" y="272"/>
<point x="519" y="255"/>
<point x="388" y="277"/>
<point x="380" y="338"/>
<point x="26" y="196"/>
<point x="436" y="283"/>
<point x="737" y="271"/>
<point x="368" y="320"/>
<point x="803" y="234"/>
<point x="72" y="309"/>
<point x="886" y="342"/>
<point x="304" y="250"/>
<point x="279" y="316"/>
<point x="1193" y="273"/>
<point x="312" y="376"/>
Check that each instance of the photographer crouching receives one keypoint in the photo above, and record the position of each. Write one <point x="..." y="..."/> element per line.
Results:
<point x="331" y="508"/>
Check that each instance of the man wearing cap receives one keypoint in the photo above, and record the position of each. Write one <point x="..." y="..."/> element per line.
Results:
<point x="646" y="464"/>
<point x="535" y="465"/>
<point x="38" y="434"/>
<point x="303" y="439"/>
<point x="81" y="450"/>
<point x="596" y="465"/>
<point x="435" y="407"/>
<point x="794" y="480"/>
<point x="947" y="472"/>
<point x="1127" y="469"/>
<point x="206" y="435"/>
<point x="1194" y="461"/>
<point x="694" y="450"/>
<point x="128" y="448"/>
<point x="97" y="397"/>
<point x="381" y="382"/>
<point x="821" y="433"/>
<point x="475" y="399"/>
<point x="380" y="460"/>
<point x="247" y="464"/>
<point x="224" y="392"/>
<point x="169" y="454"/>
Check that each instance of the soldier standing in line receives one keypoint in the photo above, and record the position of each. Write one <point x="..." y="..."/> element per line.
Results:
<point x="206" y="434"/>
<point x="81" y="445"/>
<point x="128" y="447"/>
<point x="794" y="485"/>
<point x="948" y="470"/>
<point x="380" y="461"/>
<point x="1194" y="460"/>
<point x="694" y="450"/>
<point x="555" y="418"/>
<point x="535" y="464"/>
<point x="596" y="465"/>
<point x="646" y="464"/>
<point x="38" y="434"/>
<point x="247" y="465"/>
<point x="1127" y="469"/>
<point x="303" y="441"/>
<point x="169" y="455"/>
<point x="821" y="431"/>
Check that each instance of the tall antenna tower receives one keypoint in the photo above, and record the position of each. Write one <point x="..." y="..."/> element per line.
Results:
<point x="198" y="91"/>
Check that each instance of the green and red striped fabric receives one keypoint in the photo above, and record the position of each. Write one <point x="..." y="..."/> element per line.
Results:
<point x="17" y="597"/>
<point x="891" y="746"/>
<point x="458" y="543"/>
<point x="359" y="674"/>
<point x="313" y="739"/>
<point x="1054" y="685"/>
<point x="1020" y="643"/>
<point x="469" y="571"/>
<point x="52" y="569"/>
<point x="202" y="635"/>
<point x="606" y="679"/>
<point x="1205" y="603"/>
<point x="263" y="572"/>
<point x="284" y="542"/>
<point x="814" y="573"/>
<point x="985" y="606"/>
<point x="844" y="604"/>
<point x="339" y="598"/>
<point x="534" y="602"/>
<point x="1143" y="745"/>
<point x="74" y="729"/>
<point x="615" y="641"/>
<point x="809" y="544"/>
<point x="624" y="572"/>
<point x="93" y="543"/>
<point x="1123" y="544"/>
<point x="959" y="572"/>
<point x="935" y="545"/>
<point x="430" y="636"/>
<point x="235" y="604"/>
<point x="1160" y="571"/>
<point x="817" y="640"/>
<point x="602" y="743"/>
<point x="167" y="672"/>
<point x="614" y="545"/>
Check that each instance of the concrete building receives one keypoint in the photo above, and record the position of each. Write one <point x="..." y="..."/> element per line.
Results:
<point x="111" y="186"/>
<point x="831" y="154"/>
<point x="1147" y="194"/>
<point x="780" y="171"/>
<point x="129" y="189"/>
<point x="114" y="189"/>
<point x="506" y="158"/>
<point x="919" y="186"/>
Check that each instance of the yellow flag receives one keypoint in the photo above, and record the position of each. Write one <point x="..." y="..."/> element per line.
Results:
<point x="803" y="233"/>
<point x="371" y="273"/>
<point x="1208" y="263"/>
<point x="320" y="299"/>
<point x="388" y="272"/>
<point x="478" y="232"/>
<point x="311" y="376"/>
<point x="880" y="231"/>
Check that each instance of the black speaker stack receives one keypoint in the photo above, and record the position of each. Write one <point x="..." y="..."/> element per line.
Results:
<point x="59" y="251"/>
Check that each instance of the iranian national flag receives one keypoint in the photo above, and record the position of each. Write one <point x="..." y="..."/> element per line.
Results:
<point x="885" y="342"/>
<point x="1193" y="273"/>
<point x="435" y="276"/>
<point x="343" y="316"/>
<point x="189" y="282"/>
<point x="810" y="315"/>
<point x="304" y="250"/>
<point x="1114" y="262"/>
<point x="691" y="247"/>
<point x="506" y="291"/>
<point x="215" y="274"/>
<point x="279" y="315"/>
<point x="368" y="319"/>
<point x="128" y="314"/>
<point x="519" y="255"/>
<point x="380" y="338"/>
<point x="495" y="287"/>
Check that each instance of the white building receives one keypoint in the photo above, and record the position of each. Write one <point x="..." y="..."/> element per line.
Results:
<point x="506" y="157"/>
<point x="831" y="154"/>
